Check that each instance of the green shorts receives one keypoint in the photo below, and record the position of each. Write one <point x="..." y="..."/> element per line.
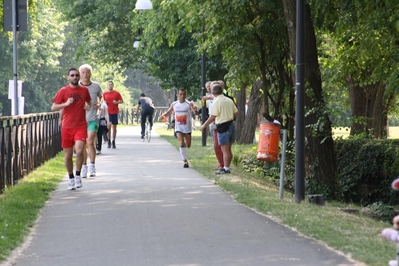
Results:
<point x="92" y="126"/>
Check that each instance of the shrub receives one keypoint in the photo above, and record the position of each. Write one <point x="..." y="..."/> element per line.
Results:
<point x="382" y="211"/>
<point x="366" y="169"/>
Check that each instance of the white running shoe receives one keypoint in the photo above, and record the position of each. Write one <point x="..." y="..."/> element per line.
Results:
<point x="83" y="172"/>
<point x="92" y="170"/>
<point x="71" y="184"/>
<point x="78" y="181"/>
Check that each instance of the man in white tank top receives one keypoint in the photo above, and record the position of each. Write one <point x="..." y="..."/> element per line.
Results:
<point x="182" y="112"/>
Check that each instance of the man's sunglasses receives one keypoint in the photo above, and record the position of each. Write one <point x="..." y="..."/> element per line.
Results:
<point x="74" y="75"/>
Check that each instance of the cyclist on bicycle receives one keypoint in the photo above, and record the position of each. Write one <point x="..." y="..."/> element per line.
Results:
<point x="147" y="109"/>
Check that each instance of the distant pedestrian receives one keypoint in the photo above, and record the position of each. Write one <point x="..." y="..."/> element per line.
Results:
<point x="210" y="98"/>
<point x="113" y="98"/>
<point x="223" y="112"/>
<point x="147" y="109"/>
<point x="103" y="125"/>
<point x="74" y="100"/>
<point x="96" y="94"/>
<point x="182" y="110"/>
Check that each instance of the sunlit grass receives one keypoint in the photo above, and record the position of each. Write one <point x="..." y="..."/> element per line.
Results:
<point x="341" y="132"/>
<point x="344" y="132"/>
<point x="393" y="133"/>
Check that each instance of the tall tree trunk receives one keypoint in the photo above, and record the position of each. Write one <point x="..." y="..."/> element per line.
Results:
<point x="319" y="151"/>
<point x="251" y="119"/>
<point x="241" y="101"/>
<point x="379" y="121"/>
<point x="358" y="102"/>
<point x="369" y="107"/>
<point x="391" y="98"/>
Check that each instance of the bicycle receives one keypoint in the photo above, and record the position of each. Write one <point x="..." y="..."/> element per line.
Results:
<point x="147" y="132"/>
<point x="138" y="119"/>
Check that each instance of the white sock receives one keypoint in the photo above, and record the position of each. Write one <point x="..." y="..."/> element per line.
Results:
<point x="226" y="168"/>
<point x="183" y="153"/>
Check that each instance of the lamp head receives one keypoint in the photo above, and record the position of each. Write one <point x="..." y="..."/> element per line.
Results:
<point x="143" y="4"/>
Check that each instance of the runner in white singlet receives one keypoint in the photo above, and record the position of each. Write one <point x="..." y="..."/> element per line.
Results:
<point x="182" y="117"/>
<point x="182" y="112"/>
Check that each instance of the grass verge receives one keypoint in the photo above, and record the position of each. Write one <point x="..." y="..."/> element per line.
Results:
<point x="355" y="235"/>
<point x="20" y="205"/>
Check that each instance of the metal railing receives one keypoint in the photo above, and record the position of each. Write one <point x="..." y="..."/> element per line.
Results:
<point x="27" y="142"/>
<point x="127" y="116"/>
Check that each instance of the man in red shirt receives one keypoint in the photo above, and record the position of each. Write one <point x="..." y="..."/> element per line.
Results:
<point x="74" y="100"/>
<point x="113" y="98"/>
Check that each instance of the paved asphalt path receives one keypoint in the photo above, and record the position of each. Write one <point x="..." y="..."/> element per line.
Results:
<point x="143" y="208"/>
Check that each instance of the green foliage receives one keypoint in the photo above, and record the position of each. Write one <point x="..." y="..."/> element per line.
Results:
<point x="365" y="36"/>
<point x="45" y="52"/>
<point x="38" y="65"/>
<point x="383" y="211"/>
<point x="178" y="66"/>
<point x="251" y="164"/>
<point x="393" y="120"/>
<point x="254" y="42"/>
<point x="366" y="169"/>
<point x="167" y="52"/>
<point x="357" y="48"/>
<point x="105" y="27"/>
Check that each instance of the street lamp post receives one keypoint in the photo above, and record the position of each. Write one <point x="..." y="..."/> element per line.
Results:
<point x="15" y="18"/>
<point x="300" y="104"/>
<point x="15" y="53"/>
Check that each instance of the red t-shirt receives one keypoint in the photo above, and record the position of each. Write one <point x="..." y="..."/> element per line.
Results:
<point x="74" y="115"/>
<point x="109" y="98"/>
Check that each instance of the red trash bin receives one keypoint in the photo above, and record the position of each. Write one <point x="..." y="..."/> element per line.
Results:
<point x="269" y="136"/>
